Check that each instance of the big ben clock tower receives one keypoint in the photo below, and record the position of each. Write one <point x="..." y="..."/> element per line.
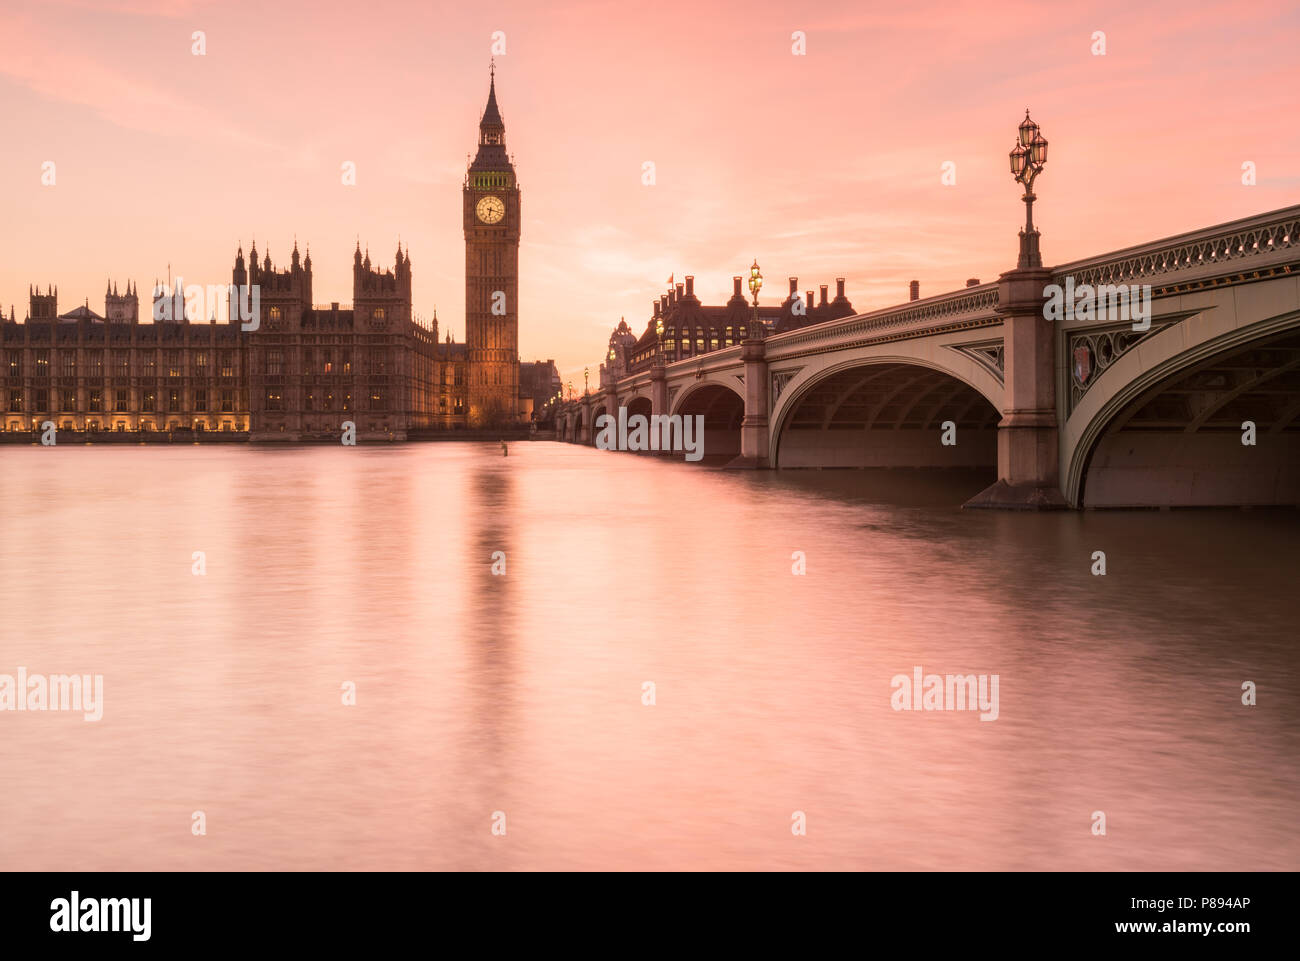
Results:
<point x="492" y="275"/>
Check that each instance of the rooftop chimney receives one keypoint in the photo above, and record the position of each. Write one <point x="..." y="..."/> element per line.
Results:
<point x="735" y="286"/>
<point x="690" y="286"/>
<point x="681" y="289"/>
<point x="839" y="288"/>
<point x="973" y="282"/>
<point x="810" y="300"/>
<point x="914" y="288"/>
<point x="823" y="303"/>
<point x="794" y="287"/>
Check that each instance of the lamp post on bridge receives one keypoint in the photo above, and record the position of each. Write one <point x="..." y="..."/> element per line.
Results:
<point x="586" y="381"/>
<point x="1027" y="160"/>
<point x="1028" y="436"/>
<point x="753" y="353"/>
<point x="659" y="374"/>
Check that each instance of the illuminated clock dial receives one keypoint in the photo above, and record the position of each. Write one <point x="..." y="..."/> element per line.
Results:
<point x="490" y="210"/>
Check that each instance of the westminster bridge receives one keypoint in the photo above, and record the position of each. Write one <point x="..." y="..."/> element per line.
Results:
<point x="1197" y="404"/>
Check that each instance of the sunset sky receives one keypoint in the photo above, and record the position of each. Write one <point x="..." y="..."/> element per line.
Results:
<point x="819" y="166"/>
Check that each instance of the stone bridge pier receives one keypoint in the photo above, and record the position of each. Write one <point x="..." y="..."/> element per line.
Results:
<point x="754" y="435"/>
<point x="1028" y="434"/>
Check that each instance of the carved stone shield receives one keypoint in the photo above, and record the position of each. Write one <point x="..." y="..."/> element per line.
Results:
<point x="1082" y="364"/>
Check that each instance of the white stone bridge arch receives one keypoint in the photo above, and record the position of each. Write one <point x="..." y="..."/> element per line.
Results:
<point x="1071" y="412"/>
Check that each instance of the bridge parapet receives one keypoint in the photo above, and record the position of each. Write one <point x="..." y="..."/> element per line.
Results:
<point x="1254" y="248"/>
<point x="969" y="307"/>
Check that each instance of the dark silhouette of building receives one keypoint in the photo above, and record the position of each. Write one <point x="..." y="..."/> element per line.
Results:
<point x="539" y="383"/>
<point x="691" y="329"/>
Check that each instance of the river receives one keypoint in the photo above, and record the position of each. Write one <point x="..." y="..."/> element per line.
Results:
<point x="517" y="700"/>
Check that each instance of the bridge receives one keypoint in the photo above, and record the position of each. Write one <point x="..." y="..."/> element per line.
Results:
<point x="1200" y="408"/>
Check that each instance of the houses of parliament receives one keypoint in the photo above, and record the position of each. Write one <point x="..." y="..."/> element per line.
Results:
<point x="303" y="369"/>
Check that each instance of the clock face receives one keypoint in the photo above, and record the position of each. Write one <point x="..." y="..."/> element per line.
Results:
<point x="490" y="210"/>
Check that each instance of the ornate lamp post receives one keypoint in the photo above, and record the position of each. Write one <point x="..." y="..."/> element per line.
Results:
<point x="755" y="285"/>
<point x="586" y="378"/>
<point x="1027" y="160"/>
<point x="659" y="332"/>
<point x="570" y="390"/>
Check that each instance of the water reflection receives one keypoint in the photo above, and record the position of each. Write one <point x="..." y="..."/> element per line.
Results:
<point x="522" y="692"/>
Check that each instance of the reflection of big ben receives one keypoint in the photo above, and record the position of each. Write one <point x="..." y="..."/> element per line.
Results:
<point x="492" y="274"/>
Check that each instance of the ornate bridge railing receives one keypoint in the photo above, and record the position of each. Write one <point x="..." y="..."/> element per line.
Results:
<point x="1255" y="247"/>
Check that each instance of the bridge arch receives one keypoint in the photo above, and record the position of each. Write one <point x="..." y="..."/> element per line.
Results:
<point x="577" y="420"/>
<point x="1163" y="426"/>
<point x="722" y="406"/>
<point x="639" y="404"/>
<point x="887" y="410"/>
<point x="598" y="411"/>
<point x="693" y="387"/>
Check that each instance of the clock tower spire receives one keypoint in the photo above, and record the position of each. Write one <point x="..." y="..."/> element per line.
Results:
<point x="491" y="215"/>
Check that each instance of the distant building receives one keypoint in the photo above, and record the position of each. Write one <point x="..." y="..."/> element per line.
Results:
<point x="539" y="382"/>
<point x="304" y="372"/>
<point x="691" y="328"/>
<point x="312" y="367"/>
<point x="307" y="368"/>
<point x="491" y="221"/>
<point x="92" y="373"/>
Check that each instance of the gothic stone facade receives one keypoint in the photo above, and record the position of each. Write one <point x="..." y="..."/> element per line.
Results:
<point x="307" y="369"/>
<point x="692" y="328"/>
<point x="310" y="369"/>
<point x="90" y="373"/>
<point x="303" y="373"/>
<point x="491" y="218"/>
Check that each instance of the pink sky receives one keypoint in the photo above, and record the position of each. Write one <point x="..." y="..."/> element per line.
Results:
<point x="819" y="166"/>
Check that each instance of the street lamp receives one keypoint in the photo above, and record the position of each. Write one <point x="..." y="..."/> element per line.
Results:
<point x="586" y="377"/>
<point x="755" y="285"/>
<point x="1027" y="160"/>
<point x="570" y="390"/>
<point x="659" y="332"/>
